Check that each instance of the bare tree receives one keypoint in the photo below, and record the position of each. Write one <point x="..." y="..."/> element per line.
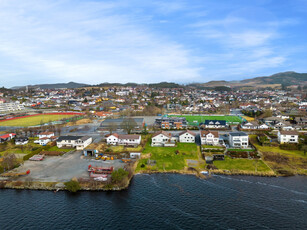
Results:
<point x="9" y="161"/>
<point x="112" y="127"/>
<point x="128" y="124"/>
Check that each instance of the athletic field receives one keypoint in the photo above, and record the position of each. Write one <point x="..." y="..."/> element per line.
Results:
<point x="196" y="119"/>
<point x="35" y="119"/>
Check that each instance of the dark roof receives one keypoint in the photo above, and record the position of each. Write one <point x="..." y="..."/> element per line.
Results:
<point x="119" y="121"/>
<point x="21" y="139"/>
<point x="290" y="132"/>
<point x="238" y="134"/>
<point x="71" y="138"/>
<point x="215" y="122"/>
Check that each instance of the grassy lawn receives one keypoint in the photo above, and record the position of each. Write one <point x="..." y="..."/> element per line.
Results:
<point x="212" y="147"/>
<point x="195" y="120"/>
<point x="121" y="148"/>
<point x="282" y="161"/>
<point x="166" y="157"/>
<point x="241" y="164"/>
<point x="55" y="148"/>
<point x="275" y="149"/>
<point x="241" y="150"/>
<point x="34" y="120"/>
<point x="18" y="149"/>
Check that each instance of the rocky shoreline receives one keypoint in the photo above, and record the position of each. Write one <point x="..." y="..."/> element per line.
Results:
<point x="98" y="186"/>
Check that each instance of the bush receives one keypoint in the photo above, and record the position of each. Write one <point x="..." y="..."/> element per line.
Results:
<point x="118" y="175"/>
<point x="289" y="146"/>
<point x="72" y="186"/>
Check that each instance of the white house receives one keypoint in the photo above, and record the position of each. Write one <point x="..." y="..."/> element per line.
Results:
<point x="263" y="126"/>
<point x="21" y="141"/>
<point x="78" y="142"/>
<point x="187" y="136"/>
<point x="238" y="139"/>
<point x="250" y="125"/>
<point x="287" y="137"/>
<point x="45" y="138"/>
<point x="45" y="134"/>
<point x="124" y="139"/>
<point x="208" y="137"/>
<point x="161" y="138"/>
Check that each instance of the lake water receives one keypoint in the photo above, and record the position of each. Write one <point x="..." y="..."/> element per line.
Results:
<point x="165" y="201"/>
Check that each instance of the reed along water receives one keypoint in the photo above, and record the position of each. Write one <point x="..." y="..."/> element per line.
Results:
<point x="165" y="201"/>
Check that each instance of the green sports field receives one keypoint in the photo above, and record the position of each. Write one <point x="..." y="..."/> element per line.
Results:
<point x="196" y="119"/>
<point x="34" y="120"/>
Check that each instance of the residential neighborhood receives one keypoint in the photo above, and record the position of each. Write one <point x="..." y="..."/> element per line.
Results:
<point x="155" y="129"/>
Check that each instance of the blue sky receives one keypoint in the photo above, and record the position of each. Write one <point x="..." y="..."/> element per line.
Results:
<point x="149" y="41"/>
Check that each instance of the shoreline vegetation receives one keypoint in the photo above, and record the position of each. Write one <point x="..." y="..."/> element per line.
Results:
<point x="97" y="186"/>
<point x="184" y="158"/>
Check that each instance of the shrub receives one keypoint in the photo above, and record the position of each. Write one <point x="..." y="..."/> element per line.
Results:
<point x="289" y="146"/>
<point x="72" y="186"/>
<point x="118" y="175"/>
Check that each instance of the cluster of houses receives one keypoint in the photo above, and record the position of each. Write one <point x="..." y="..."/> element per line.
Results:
<point x="275" y="123"/>
<point x="207" y="137"/>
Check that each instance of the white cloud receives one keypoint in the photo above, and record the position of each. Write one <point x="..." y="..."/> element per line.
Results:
<point x="88" y="43"/>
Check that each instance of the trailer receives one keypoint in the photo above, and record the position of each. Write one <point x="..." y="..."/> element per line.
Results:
<point x="37" y="158"/>
<point x="100" y="170"/>
<point x="95" y="175"/>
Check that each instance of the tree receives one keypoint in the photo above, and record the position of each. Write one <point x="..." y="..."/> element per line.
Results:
<point x="72" y="186"/>
<point x="128" y="124"/>
<point x="267" y="113"/>
<point x="112" y="127"/>
<point x="119" y="175"/>
<point x="9" y="161"/>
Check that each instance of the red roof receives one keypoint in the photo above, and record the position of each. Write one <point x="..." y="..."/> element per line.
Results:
<point x="7" y="135"/>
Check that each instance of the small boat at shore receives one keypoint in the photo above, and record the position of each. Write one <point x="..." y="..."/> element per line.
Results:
<point x="204" y="172"/>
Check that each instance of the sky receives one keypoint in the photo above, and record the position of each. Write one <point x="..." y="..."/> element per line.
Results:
<point x="144" y="41"/>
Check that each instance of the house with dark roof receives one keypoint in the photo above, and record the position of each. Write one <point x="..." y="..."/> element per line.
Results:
<point x="21" y="141"/>
<point x="78" y="142"/>
<point x="137" y="123"/>
<point x="214" y="124"/>
<point x="238" y="140"/>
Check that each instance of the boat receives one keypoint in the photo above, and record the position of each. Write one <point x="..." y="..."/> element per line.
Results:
<point x="100" y="179"/>
<point x="204" y="172"/>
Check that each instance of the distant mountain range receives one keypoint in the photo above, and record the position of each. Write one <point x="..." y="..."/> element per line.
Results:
<point x="69" y="85"/>
<point x="287" y="78"/>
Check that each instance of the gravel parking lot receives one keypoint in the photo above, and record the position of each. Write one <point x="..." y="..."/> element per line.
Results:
<point x="63" y="168"/>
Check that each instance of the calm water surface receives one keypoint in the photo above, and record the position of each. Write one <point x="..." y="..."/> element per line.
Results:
<point x="165" y="202"/>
